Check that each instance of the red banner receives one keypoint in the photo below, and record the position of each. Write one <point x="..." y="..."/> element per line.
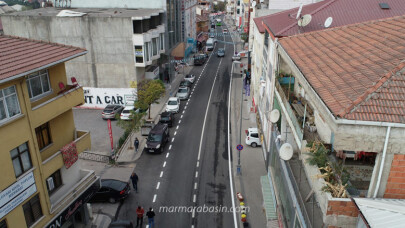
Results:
<point x="110" y="133"/>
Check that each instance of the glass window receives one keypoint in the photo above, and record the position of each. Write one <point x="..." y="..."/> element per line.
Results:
<point x="57" y="182"/>
<point x="38" y="84"/>
<point x="21" y="159"/>
<point x="9" y="105"/>
<point x="147" y="51"/>
<point x="32" y="210"/>
<point x="162" y="40"/>
<point x="43" y="135"/>
<point x="3" y="224"/>
<point x="154" y="46"/>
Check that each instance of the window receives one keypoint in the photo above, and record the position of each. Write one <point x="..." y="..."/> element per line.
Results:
<point x="137" y="26"/>
<point x="32" y="210"/>
<point x="238" y="11"/>
<point x="138" y="54"/>
<point x="3" y="224"/>
<point x="9" y="105"/>
<point x="38" y="84"/>
<point x="154" y="46"/>
<point x="54" y="182"/>
<point x="21" y="159"/>
<point x="43" y="135"/>
<point x="162" y="47"/>
<point x="147" y="51"/>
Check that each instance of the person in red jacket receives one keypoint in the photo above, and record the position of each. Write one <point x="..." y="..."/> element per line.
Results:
<point x="139" y="215"/>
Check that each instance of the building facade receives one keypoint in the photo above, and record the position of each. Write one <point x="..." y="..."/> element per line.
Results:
<point x="42" y="183"/>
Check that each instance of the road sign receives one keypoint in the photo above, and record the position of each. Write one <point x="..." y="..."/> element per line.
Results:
<point x="239" y="147"/>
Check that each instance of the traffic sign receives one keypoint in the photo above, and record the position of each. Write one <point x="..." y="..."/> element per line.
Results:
<point x="239" y="147"/>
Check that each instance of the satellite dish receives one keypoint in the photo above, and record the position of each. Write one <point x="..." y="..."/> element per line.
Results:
<point x="328" y="22"/>
<point x="299" y="11"/>
<point x="253" y="4"/>
<point x="274" y="116"/>
<point x="304" y="20"/>
<point x="286" y="151"/>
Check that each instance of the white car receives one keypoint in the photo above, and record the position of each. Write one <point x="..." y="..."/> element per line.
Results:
<point x="183" y="93"/>
<point x="252" y="137"/>
<point x="225" y="31"/>
<point x="126" y="113"/>
<point x="173" y="105"/>
<point x="190" y="78"/>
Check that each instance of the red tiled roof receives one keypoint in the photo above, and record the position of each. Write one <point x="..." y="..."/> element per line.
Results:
<point x="259" y="24"/>
<point x="20" y="55"/>
<point x="343" y="12"/>
<point x="355" y="68"/>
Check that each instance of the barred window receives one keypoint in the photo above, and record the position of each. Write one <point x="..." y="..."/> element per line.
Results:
<point x="32" y="210"/>
<point x="21" y="159"/>
<point x="9" y="105"/>
<point x="38" y="84"/>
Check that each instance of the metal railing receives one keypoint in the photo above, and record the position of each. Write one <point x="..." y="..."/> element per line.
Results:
<point x="86" y="155"/>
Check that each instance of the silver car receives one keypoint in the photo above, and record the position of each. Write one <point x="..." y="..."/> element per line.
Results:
<point x="183" y="93"/>
<point x="221" y="52"/>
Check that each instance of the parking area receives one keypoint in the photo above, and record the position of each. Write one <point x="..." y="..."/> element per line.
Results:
<point x="90" y="120"/>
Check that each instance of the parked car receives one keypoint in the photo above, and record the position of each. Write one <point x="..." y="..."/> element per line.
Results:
<point x="199" y="59"/>
<point x="173" y="105"/>
<point x="190" y="77"/>
<point x="167" y="118"/>
<point x="111" y="190"/>
<point x="183" y="93"/>
<point x="111" y="111"/>
<point x="236" y="57"/>
<point x="157" y="138"/>
<point x="185" y="83"/>
<point x="121" y="224"/>
<point x="225" y="31"/>
<point x="252" y="137"/>
<point x="127" y="112"/>
<point x="221" y="52"/>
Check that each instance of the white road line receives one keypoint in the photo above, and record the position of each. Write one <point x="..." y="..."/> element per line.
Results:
<point x="185" y="107"/>
<point x="198" y="163"/>
<point x="196" y="174"/>
<point x="167" y="155"/>
<point x="179" y="121"/>
<point x="195" y="185"/>
<point x="183" y="111"/>
<point x="190" y="97"/>
<point x="161" y="174"/>
<point x="193" y="214"/>
<point x="172" y="139"/>
<point x="154" y="198"/>
<point x="164" y="164"/>
<point x="170" y="147"/>
<point x="177" y="128"/>
<point x="194" y="198"/>
<point x="175" y="133"/>
<point x="187" y="103"/>
<point x="158" y="185"/>
<point x="181" y="116"/>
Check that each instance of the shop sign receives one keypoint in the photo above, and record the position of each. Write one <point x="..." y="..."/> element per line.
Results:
<point x="101" y="97"/>
<point x="74" y="207"/>
<point x="14" y="195"/>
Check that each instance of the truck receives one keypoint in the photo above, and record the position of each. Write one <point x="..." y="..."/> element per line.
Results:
<point x="210" y="44"/>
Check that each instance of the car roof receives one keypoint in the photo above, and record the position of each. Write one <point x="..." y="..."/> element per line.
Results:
<point x="158" y="128"/>
<point x="173" y="99"/>
<point x="253" y="129"/>
<point x="166" y="114"/>
<point x="111" y="106"/>
<point x="114" y="184"/>
<point x="129" y="108"/>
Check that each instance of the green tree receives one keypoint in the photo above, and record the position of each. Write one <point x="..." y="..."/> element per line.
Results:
<point x="219" y="7"/>
<point x="131" y="125"/>
<point x="149" y="92"/>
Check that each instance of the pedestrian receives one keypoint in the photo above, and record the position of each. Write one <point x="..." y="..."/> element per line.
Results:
<point x="134" y="179"/>
<point x="136" y="144"/>
<point x="139" y="217"/>
<point x="151" y="217"/>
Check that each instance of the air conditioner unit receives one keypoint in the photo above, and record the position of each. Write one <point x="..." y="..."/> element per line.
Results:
<point x="50" y="183"/>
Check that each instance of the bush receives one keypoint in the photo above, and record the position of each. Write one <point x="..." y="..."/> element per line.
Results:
<point x="318" y="154"/>
<point x="123" y="138"/>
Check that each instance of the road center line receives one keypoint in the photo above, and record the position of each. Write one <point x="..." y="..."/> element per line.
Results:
<point x="198" y="163"/>
<point x="177" y="128"/>
<point x="181" y="116"/>
<point x="164" y="164"/>
<point x="167" y="155"/>
<point x="172" y="139"/>
<point x="158" y="185"/>
<point x="196" y="174"/>
<point x="194" y="198"/>
<point x="175" y="133"/>
<point x="183" y="112"/>
<point x="170" y="147"/>
<point x="154" y="198"/>
<point x="161" y="173"/>
<point x="195" y="185"/>
<point x="179" y="121"/>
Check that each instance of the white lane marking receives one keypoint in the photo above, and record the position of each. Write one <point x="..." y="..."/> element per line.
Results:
<point x="161" y="174"/>
<point x="181" y="116"/>
<point x="183" y="111"/>
<point x="195" y="185"/>
<point x="179" y="121"/>
<point x="170" y="147"/>
<point x="154" y="198"/>
<point x="185" y="107"/>
<point x="175" y="133"/>
<point x="194" y="198"/>
<point x="164" y="164"/>
<point x="177" y="128"/>
<point x="198" y="163"/>
<point x="187" y="103"/>
<point x="193" y="214"/>
<point x="158" y="185"/>
<point x="172" y="139"/>
<point x="191" y="93"/>
<point x="190" y="97"/>
<point x="229" y="146"/>
<point x="196" y="174"/>
<point x="167" y="155"/>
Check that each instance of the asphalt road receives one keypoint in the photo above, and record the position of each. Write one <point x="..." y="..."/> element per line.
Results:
<point x="192" y="172"/>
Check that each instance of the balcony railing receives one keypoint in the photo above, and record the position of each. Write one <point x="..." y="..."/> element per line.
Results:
<point x="57" y="105"/>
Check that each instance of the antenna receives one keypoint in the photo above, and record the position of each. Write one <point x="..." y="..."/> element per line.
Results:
<point x="286" y="151"/>
<point x="328" y="22"/>
<point x="304" y="20"/>
<point x="274" y="115"/>
<point x="299" y="11"/>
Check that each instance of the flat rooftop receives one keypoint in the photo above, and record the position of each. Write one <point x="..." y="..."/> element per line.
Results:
<point x="92" y="12"/>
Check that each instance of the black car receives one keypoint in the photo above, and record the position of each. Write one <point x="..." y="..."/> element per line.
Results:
<point x="157" y="138"/>
<point x="121" y="224"/>
<point x="199" y="59"/>
<point x="112" y="191"/>
<point x="185" y="83"/>
<point x="167" y="118"/>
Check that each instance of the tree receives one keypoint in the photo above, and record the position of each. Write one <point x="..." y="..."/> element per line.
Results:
<point x="149" y="92"/>
<point x="133" y="124"/>
<point x="220" y="6"/>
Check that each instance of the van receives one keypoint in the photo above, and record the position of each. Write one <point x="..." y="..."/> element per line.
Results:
<point x="210" y="44"/>
<point x="252" y="137"/>
<point x="157" y="138"/>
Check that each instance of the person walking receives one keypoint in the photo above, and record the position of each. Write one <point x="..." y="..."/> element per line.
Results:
<point x="139" y="216"/>
<point x="134" y="179"/>
<point x="151" y="218"/>
<point x="136" y="144"/>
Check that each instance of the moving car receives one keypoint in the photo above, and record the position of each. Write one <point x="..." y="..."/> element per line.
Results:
<point x="157" y="138"/>
<point x="185" y="83"/>
<point x="236" y="57"/>
<point x="221" y="52"/>
<point x="112" y="191"/>
<point x="110" y="111"/>
<point x="209" y="46"/>
<point x="190" y="77"/>
<point x="219" y="24"/>
<point x="199" y="59"/>
<point x="173" y="105"/>
<point x="167" y="118"/>
<point x="252" y="137"/>
<point x="183" y="93"/>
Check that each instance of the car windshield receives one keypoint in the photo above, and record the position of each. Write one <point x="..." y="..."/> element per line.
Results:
<point x="126" y="111"/>
<point x="172" y="103"/>
<point x="183" y="90"/>
<point x="154" y="138"/>
<point x="165" y="118"/>
<point x="189" y="76"/>
<point x="221" y="50"/>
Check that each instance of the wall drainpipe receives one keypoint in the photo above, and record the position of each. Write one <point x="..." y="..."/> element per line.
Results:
<point x="377" y="186"/>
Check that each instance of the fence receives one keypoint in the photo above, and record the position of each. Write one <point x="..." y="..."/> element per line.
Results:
<point x="94" y="157"/>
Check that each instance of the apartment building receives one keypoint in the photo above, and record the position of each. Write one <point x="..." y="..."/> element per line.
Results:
<point x="42" y="184"/>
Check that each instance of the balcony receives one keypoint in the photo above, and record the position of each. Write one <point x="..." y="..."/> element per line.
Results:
<point x="57" y="105"/>
<point x="55" y="162"/>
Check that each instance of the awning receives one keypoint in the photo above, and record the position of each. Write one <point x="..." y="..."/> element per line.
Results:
<point x="179" y="51"/>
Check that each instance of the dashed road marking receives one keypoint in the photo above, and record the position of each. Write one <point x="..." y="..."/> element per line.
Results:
<point x="183" y="111"/>
<point x="175" y="133"/>
<point x="167" y="155"/>
<point x="177" y="128"/>
<point x="158" y="185"/>
<point x="179" y="121"/>
<point x="172" y="139"/>
<point x="194" y="198"/>
<point x="198" y="163"/>
<point x="164" y="164"/>
<point x="196" y="174"/>
<point x="154" y="198"/>
<point x="195" y="185"/>
<point x="181" y="116"/>
<point x="161" y="174"/>
<point x="170" y="147"/>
